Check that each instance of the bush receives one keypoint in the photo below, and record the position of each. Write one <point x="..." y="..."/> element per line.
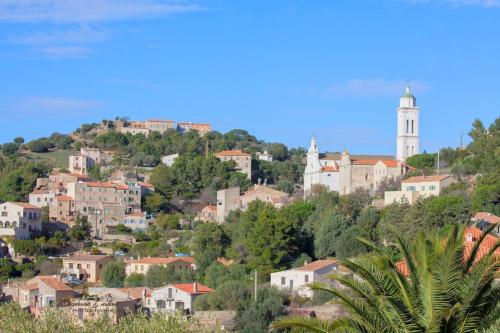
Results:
<point x="135" y="280"/>
<point x="113" y="274"/>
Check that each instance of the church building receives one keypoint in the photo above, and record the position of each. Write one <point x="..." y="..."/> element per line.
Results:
<point x="344" y="173"/>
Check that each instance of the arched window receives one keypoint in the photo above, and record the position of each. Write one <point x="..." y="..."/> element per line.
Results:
<point x="1" y="224"/>
<point x="7" y="224"/>
<point x="14" y="224"/>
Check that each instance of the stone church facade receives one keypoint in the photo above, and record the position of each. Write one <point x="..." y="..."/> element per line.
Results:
<point x="345" y="173"/>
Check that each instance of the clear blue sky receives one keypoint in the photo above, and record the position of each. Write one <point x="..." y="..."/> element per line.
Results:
<point x="280" y="69"/>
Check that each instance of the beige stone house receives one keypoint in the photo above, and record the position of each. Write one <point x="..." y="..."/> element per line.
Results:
<point x="20" y="220"/>
<point x="63" y="210"/>
<point x="142" y="265"/>
<point x="243" y="160"/>
<point x="265" y="194"/>
<point x="85" y="267"/>
<point x="207" y="214"/>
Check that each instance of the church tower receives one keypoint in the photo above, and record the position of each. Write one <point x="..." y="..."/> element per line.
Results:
<point x="312" y="173"/>
<point x="408" y="125"/>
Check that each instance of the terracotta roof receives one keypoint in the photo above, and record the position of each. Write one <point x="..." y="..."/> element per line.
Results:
<point x="329" y="168"/>
<point x="40" y="192"/>
<point x="29" y="286"/>
<point x="25" y="205"/>
<point x="471" y="234"/>
<point x="87" y="257"/>
<point x="231" y="153"/>
<point x="213" y="208"/>
<point x="135" y="214"/>
<point x="315" y="265"/>
<point x="422" y="179"/>
<point x="136" y="292"/>
<point x="107" y="185"/>
<point x="391" y="163"/>
<point x="64" y="198"/>
<point x="160" y="261"/>
<point x="54" y="283"/>
<point x="487" y="217"/>
<point x="188" y="287"/>
<point x="265" y="189"/>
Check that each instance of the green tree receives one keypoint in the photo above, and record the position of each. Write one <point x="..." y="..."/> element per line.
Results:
<point x="328" y="234"/>
<point x="159" y="275"/>
<point x="486" y="196"/>
<point x="209" y="241"/>
<point x="135" y="280"/>
<point x="257" y="317"/>
<point x="422" y="161"/>
<point x="155" y="203"/>
<point x="113" y="274"/>
<point x="9" y="149"/>
<point x="447" y="290"/>
<point x="19" y="140"/>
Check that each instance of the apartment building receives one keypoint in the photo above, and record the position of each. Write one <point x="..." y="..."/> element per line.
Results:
<point x="142" y="265"/>
<point x="243" y="160"/>
<point x="418" y="186"/>
<point x="20" y="220"/>
<point x="85" y="267"/>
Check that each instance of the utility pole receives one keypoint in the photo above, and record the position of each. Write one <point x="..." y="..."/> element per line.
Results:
<point x="255" y="287"/>
<point x="438" y="163"/>
<point x="461" y="139"/>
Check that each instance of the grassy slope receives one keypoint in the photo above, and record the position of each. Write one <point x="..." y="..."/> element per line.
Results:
<point x="60" y="158"/>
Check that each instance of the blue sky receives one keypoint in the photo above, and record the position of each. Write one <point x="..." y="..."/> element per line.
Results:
<point x="280" y="69"/>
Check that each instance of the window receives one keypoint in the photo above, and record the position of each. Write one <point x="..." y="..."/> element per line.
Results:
<point x="422" y="188"/>
<point x="411" y="188"/>
<point x="105" y="313"/>
<point x="160" y="304"/>
<point x="412" y="128"/>
<point x="432" y="187"/>
<point x="80" y="313"/>
<point x="283" y="280"/>
<point x="306" y="278"/>
<point x="169" y="293"/>
<point x="88" y="265"/>
<point x="70" y="265"/>
<point x="407" y="126"/>
<point x="78" y="266"/>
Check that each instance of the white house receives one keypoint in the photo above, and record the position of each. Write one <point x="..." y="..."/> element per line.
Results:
<point x="418" y="186"/>
<point x="169" y="160"/>
<point x="265" y="156"/>
<point x="42" y="198"/>
<point x="297" y="280"/>
<point x="177" y="297"/>
<point x="19" y="219"/>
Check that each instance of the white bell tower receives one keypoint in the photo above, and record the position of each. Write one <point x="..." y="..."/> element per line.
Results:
<point x="408" y="126"/>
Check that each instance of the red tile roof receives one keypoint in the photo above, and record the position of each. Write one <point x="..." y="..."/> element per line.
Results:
<point x="329" y="168"/>
<point x="213" y="208"/>
<point x="40" y="192"/>
<point x="471" y="234"/>
<point x="160" y="261"/>
<point x="364" y="162"/>
<point x="487" y="217"/>
<point x="391" y="163"/>
<point x="318" y="264"/>
<point x="422" y="179"/>
<point x="189" y="288"/>
<point x="26" y="205"/>
<point x="231" y="153"/>
<point x="54" y="283"/>
<point x="64" y="198"/>
<point x="29" y="286"/>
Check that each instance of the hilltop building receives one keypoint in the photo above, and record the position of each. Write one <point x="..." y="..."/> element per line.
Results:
<point x="345" y="173"/>
<point x="418" y="186"/>
<point x="242" y="159"/>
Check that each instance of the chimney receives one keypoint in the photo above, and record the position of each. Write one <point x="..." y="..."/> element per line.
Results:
<point x="469" y="237"/>
<point x="305" y="263"/>
<point x="195" y="287"/>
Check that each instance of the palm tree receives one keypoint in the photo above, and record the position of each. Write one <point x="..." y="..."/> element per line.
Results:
<point x="449" y="288"/>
